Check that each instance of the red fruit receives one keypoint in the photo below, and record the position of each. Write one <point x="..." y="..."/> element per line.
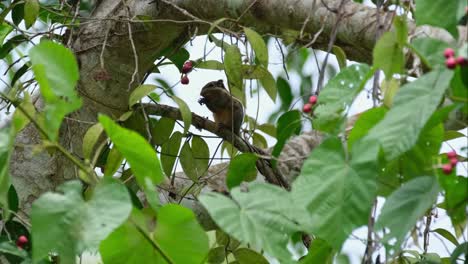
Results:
<point x="21" y="241"/>
<point x="313" y="99"/>
<point x="184" y="80"/>
<point x="461" y="61"/>
<point x="453" y="162"/>
<point x="451" y="63"/>
<point x="307" y="108"/>
<point x="452" y="154"/>
<point x="187" y="67"/>
<point x="447" y="168"/>
<point x="449" y="53"/>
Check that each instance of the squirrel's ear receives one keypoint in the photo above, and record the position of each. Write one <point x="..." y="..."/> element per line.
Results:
<point x="220" y="83"/>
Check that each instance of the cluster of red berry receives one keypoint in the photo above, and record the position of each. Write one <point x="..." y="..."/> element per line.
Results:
<point x="308" y="107"/>
<point x="451" y="61"/>
<point x="453" y="160"/>
<point x="186" y="68"/>
<point x="21" y="241"/>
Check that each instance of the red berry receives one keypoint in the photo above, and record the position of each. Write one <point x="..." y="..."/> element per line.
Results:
<point x="307" y="108"/>
<point x="453" y="162"/>
<point x="461" y="61"/>
<point x="21" y="241"/>
<point x="452" y="154"/>
<point x="187" y="67"/>
<point x="447" y="168"/>
<point x="451" y="63"/>
<point x="184" y="80"/>
<point x="449" y="53"/>
<point x="313" y="99"/>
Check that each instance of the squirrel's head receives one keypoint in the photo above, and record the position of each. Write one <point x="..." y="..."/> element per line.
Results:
<point x="214" y="84"/>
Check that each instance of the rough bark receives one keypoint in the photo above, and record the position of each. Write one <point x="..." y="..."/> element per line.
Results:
<point x="106" y="89"/>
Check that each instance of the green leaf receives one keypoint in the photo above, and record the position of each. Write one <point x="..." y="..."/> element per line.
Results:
<point x="320" y="252"/>
<point x="269" y="84"/>
<point x="180" y="236"/>
<point x="459" y="251"/>
<point x="401" y="126"/>
<point x="5" y="29"/>
<point x="57" y="73"/>
<point x="59" y="218"/>
<point x="248" y="256"/>
<point x="241" y="168"/>
<point x="366" y="121"/>
<point x="139" y="154"/>
<point x="178" y="58"/>
<point x="31" y="12"/>
<point x="113" y="162"/>
<point x="258" y="217"/>
<point x="337" y="95"/>
<point x="161" y="130"/>
<point x="12" y="249"/>
<point x="210" y="65"/>
<point x="288" y="125"/>
<point x="169" y="151"/>
<point x="217" y="255"/>
<point x="201" y="154"/>
<point x="21" y="119"/>
<point x="90" y="139"/>
<point x="137" y="249"/>
<point x="285" y="92"/>
<point x="439" y="13"/>
<point x="258" y="45"/>
<point x="187" y="161"/>
<point x="401" y="29"/>
<point x="254" y="71"/>
<point x="336" y="190"/>
<point x="259" y="141"/>
<point x="409" y="202"/>
<point x="430" y="50"/>
<point x="456" y="197"/>
<point x="340" y="56"/>
<point x="447" y="235"/>
<point x="6" y="146"/>
<point x="140" y="92"/>
<point x="268" y="129"/>
<point x="388" y="55"/>
<point x="185" y="112"/>
<point x="232" y="67"/>
<point x="10" y="44"/>
<point x="389" y="88"/>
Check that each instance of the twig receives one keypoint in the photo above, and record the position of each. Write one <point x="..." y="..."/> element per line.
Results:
<point x="135" y="55"/>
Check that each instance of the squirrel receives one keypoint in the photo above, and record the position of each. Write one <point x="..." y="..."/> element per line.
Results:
<point x="227" y="110"/>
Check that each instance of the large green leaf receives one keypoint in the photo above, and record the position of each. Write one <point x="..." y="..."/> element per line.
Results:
<point x="413" y="105"/>
<point x="241" y="168"/>
<point x="31" y="12"/>
<point x="335" y="191"/>
<point x="320" y="252"/>
<point x="430" y="50"/>
<point x="388" y="55"/>
<point x="258" y="216"/>
<point x="139" y="154"/>
<point x="248" y="256"/>
<point x="180" y="236"/>
<point x="338" y="94"/>
<point x="169" y="151"/>
<point x="130" y="243"/>
<point x="140" y="92"/>
<point x="409" y="202"/>
<point x="440" y="13"/>
<point x="258" y="45"/>
<point x="456" y="197"/>
<point x="56" y="71"/>
<point x="161" y="130"/>
<point x="6" y="145"/>
<point x="65" y="223"/>
<point x="288" y="125"/>
<point x="185" y="112"/>
<point x="232" y="65"/>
